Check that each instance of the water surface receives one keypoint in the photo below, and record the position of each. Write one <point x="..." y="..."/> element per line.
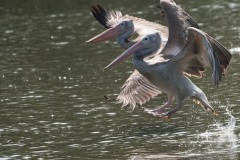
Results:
<point x="52" y="87"/>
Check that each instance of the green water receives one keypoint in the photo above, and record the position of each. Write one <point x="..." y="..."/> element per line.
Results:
<point x="52" y="87"/>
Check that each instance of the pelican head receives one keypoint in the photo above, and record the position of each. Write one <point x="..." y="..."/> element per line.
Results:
<point x="124" y="27"/>
<point x="148" y="45"/>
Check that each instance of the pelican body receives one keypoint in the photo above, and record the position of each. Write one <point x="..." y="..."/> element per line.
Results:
<point x="199" y="50"/>
<point x="123" y="27"/>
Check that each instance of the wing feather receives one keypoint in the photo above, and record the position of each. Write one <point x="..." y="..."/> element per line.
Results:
<point x="106" y="17"/>
<point x="200" y="51"/>
<point x="178" y="21"/>
<point x="137" y="90"/>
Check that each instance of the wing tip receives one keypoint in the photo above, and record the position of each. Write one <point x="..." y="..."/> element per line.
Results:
<point x="193" y="23"/>
<point x="100" y="14"/>
<point x="105" y="16"/>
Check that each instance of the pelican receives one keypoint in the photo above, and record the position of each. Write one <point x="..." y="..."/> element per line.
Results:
<point x="137" y="89"/>
<point x="123" y="27"/>
<point x="199" y="51"/>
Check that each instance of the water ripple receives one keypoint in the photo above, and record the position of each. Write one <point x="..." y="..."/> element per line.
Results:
<point x="52" y="89"/>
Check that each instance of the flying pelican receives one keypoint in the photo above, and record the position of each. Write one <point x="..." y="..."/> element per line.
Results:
<point x="123" y="27"/>
<point x="199" y="51"/>
<point x="137" y="89"/>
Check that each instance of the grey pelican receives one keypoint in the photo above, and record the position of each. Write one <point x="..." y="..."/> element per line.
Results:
<point x="123" y="27"/>
<point x="137" y="89"/>
<point x="199" y="51"/>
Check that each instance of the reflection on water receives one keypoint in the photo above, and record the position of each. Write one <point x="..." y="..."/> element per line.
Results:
<point x="52" y="88"/>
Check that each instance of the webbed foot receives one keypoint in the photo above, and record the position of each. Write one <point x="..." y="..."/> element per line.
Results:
<point x="159" y="112"/>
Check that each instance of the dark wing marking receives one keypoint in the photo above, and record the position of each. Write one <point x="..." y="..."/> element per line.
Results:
<point x="106" y="17"/>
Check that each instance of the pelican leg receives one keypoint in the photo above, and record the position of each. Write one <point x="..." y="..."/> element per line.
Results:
<point x="172" y="111"/>
<point x="159" y="111"/>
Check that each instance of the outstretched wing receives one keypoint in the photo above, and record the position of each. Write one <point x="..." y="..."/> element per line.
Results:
<point x="202" y="51"/>
<point x="178" y="21"/>
<point x="137" y="90"/>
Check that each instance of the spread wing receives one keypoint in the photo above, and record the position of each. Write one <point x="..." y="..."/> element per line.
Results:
<point x="178" y="21"/>
<point x="137" y="90"/>
<point x="200" y="51"/>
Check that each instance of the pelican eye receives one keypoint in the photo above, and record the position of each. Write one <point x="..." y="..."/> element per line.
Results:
<point x="146" y="38"/>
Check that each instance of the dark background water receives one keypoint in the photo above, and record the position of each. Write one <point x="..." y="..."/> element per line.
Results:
<point x="52" y="87"/>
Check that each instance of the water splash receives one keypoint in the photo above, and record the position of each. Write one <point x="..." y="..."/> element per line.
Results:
<point x="220" y="131"/>
<point x="221" y="139"/>
<point x="230" y="126"/>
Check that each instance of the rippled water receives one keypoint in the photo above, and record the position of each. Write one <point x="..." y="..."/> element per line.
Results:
<point x="52" y="88"/>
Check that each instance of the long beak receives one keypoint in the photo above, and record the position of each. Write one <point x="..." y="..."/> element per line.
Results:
<point x="105" y="35"/>
<point x="125" y="55"/>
